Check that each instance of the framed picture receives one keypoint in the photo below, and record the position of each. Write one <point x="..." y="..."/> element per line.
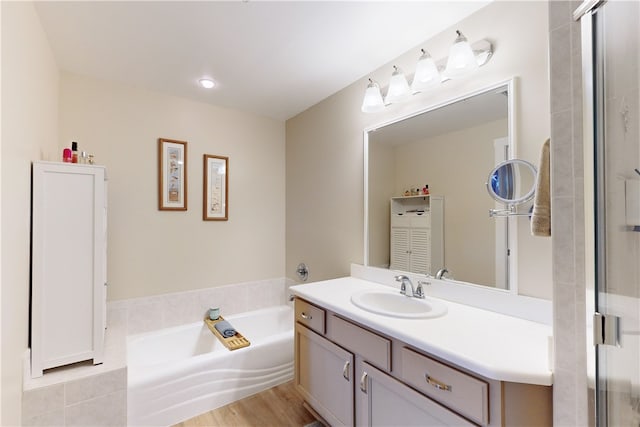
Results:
<point x="172" y="175"/>
<point x="215" y="195"/>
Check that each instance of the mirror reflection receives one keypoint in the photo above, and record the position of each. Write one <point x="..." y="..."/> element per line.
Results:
<point x="427" y="204"/>
<point x="512" y="182"/>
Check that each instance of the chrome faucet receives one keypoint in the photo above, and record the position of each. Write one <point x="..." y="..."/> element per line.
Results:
<point x="441" y="273"/>
<point x="416" y="293"/>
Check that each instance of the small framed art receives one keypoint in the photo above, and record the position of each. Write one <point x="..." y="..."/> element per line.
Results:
<point x="172" y="175"/>
<point x="215" y="195"/>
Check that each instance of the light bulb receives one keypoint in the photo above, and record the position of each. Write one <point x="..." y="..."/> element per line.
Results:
<point x="461" y="59"/>
<point x="426" y="75"/>
<point x="206" y="83"/>
<point x="398" y="87"/>
<point x="372" y="101"/>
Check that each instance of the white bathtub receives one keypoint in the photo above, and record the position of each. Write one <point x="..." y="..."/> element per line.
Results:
<point x="177" y="373"/>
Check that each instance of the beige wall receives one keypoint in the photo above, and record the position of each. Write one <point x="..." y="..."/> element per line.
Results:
<point x="382" y="178"/>
<point x="153" y="252"/>
<point x="325" y="143"/>
<point x="29" y="132"/>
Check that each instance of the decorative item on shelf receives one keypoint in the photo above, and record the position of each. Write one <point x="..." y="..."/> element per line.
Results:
<point x="463" y="58"/>
<point x="407" y="193"/>
<point x="74" y="152"/>
<point x="425" y="190"/>
<point x="66" y="155"/>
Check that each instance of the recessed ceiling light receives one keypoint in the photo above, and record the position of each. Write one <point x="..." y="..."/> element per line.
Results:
<point x="207" y="83"/>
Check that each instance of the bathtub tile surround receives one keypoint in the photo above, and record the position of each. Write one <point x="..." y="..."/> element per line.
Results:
<point x="140" y="315"/>
<point x="41" y="401"/>
<point x="95" y="400"/>
<point x="85" y="394"/>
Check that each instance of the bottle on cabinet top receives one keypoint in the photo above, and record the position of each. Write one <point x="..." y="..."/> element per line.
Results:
<point x="74" y="152"/>
<point x="66" y="155"/>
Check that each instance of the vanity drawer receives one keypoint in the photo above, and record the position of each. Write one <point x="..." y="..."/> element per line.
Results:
<point x="411" y="220"/>
<point x="464" y="393"/>
<point x="372" y="347"/>
<point x="310" y="315"/>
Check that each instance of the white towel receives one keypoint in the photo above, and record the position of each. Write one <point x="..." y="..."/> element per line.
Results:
<point x="541" y="215"/>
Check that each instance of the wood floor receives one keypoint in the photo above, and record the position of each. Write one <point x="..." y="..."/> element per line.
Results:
<point x="279" y="406"/>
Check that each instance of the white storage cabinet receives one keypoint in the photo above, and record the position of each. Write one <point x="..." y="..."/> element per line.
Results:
<point x="417" y="229"/>
<point x="68" y="264"/>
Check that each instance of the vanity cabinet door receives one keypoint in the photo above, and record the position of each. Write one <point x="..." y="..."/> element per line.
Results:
<point x="324" y="376"/>
<point x="384" y="401"/>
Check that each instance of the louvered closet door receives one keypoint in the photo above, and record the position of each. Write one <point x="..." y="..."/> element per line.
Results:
<point x="400" y="240"/>
<point x="420" y="250"/>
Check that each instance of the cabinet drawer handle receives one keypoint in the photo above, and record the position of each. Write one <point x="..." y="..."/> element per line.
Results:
<point x="345" y="370"/>
<point x="437" y="384"/>
<point x="306" y="316"/>
<point x="363" y="382"/>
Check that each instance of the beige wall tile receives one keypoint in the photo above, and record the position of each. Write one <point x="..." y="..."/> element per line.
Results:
<point x="42" y="400"/>
<point x="95" y="386"/>
<point x="49" y="419"/>
<point x="109" y="410"/>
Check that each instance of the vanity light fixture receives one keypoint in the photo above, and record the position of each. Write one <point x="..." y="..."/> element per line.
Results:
<point x="207" y="83"/>
<point x="372" y="101"/>
<point x="398" y="87"/>
<point x="463" y="58"/>
<point x="426" y="75"/>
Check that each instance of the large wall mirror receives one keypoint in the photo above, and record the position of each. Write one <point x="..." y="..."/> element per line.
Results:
<point x="450" y="148"/>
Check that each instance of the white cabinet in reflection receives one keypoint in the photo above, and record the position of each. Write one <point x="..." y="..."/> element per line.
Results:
<point x="417" y="229"/>
<point x="68" y="264"/>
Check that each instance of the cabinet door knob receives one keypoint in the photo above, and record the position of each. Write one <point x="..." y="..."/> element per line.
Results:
<point x="306" y="316"/>
<point x="345" y="370"/>
<point x="363" y="382"/>
<point x="437" y="384"/>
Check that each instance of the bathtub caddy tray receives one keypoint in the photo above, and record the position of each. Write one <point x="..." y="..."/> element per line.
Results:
<point x="232" y="343"/>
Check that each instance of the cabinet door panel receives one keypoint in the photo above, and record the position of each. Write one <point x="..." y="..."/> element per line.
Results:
<point x="400" y="249"/>
<point x="324" y="376"/>
<point x="384" y="401"/>
<point x="420" y="251"/>
<point x="67" y="264"/>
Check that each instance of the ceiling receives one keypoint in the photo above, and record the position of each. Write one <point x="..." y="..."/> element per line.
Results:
<point x="271" y="58"/>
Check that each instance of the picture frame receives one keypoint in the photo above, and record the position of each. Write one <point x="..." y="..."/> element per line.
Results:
<point x="172" y="175"/>
<point x="215" y="194"/>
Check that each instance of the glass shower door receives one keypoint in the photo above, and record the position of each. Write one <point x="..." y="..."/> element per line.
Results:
<point x="610" y="32"/>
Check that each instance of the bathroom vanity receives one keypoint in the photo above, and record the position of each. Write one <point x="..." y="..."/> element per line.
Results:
<point x="467" y="367"/>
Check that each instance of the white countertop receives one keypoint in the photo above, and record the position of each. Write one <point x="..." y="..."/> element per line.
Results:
<point x="493" y="345"/>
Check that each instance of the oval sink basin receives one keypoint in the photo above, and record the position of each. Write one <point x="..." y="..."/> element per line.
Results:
<point x="392" y="303"/>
